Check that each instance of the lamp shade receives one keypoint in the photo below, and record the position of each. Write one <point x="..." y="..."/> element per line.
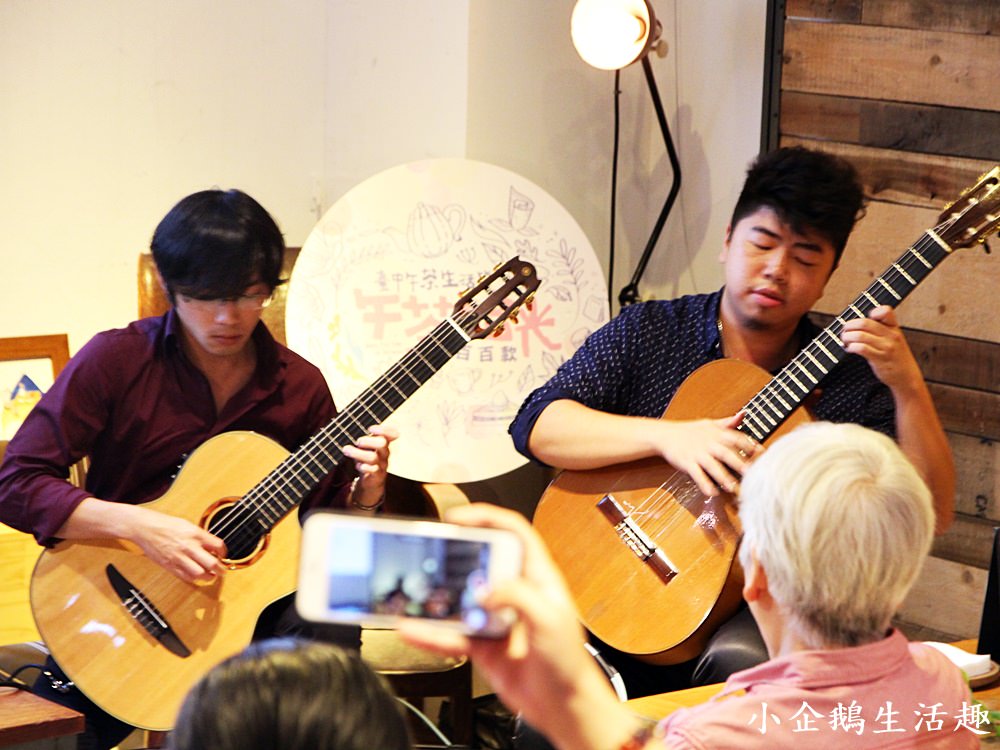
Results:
<point x="611" y="34"/>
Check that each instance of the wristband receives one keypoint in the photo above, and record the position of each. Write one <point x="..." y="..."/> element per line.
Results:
<point x="359" y="506"/>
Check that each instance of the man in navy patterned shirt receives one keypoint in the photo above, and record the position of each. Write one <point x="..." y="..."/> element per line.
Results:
<point x="604" y="405"/>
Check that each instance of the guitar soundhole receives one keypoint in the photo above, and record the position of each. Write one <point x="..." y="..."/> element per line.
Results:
<point x="242" y="536"/>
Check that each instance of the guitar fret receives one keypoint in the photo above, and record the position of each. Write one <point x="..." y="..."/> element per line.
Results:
<point x="937" y="239"/>
<point x="825" y="351"/>
<point x="904" y="274"/>
<point x="921" y="258"/>
<point x="784" y="403"/>
<point x="263" y="510"/>
<point x="816" y="361"/>
<point x="870" y="298"/>
<point x="888" y="288"/>
<point x="767" y="416"/>
<point x="798" y="382"/>
<point x="753" y="423"/>
<point x="305" y="468"/>
<point x="461" y="332"/>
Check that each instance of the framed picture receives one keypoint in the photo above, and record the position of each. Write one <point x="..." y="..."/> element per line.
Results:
<point x="28" y="367"/>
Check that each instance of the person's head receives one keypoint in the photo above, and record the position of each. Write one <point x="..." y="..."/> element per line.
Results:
<point x="214" y="244"/>
<point x="812" y="192"/>
<point x="836" y="524"/>
<point x="786" y="234"/>
<point x="219" y="255"/>
<point x="284" y="694"/>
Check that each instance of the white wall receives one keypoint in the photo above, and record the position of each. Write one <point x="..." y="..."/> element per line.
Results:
<point x="112" y="110"/>
<point x="536" y="108"/>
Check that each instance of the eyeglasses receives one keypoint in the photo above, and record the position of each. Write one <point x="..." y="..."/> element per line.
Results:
<point x="243" y="302"/>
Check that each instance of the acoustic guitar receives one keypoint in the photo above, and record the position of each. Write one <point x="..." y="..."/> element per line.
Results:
<point x="132" y="636"/>
<point x="649" y="559"/>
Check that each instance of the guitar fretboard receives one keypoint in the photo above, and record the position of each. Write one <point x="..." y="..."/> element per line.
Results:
<point x="772" y="405"/>
<point x="285" y="487"/>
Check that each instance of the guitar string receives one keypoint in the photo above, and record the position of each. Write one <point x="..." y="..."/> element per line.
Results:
<point x="770" y="401"/>
<point x="910" y="268"/>
<point x="260" y="498"/>
<point x="431" y="353"/>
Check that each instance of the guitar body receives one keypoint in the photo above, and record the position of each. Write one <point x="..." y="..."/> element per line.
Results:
<point x="98" y="643"/>
<point x="621" y="598"/>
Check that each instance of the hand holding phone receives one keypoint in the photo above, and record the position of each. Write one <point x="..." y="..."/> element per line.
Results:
<point x="375" y="570"/>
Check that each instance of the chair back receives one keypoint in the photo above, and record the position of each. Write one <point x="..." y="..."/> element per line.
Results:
<point x="989" y="627"/>
<point x="153" y="300"/>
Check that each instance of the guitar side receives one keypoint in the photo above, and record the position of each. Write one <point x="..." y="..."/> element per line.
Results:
<point x="100" y="645"/>
<point x="623" y="600"/>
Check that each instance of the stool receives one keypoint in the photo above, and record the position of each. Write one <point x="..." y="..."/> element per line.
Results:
<point x="417" y="674"/>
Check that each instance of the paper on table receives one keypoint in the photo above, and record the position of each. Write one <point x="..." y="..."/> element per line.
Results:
<point x="972" y="664"/>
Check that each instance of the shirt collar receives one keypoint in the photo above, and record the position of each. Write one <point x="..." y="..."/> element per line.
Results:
<point x="710" y="326"/>
<point x="269" y="361"/>
<point x="807" y="330"/>
<point x="827" y="667"/>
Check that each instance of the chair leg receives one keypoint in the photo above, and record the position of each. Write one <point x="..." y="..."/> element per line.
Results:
<point x="156" y="739"/>
<point x="461" y="708"/>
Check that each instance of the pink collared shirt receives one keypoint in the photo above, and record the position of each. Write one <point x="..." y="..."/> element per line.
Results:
<point x="889" y="694"/>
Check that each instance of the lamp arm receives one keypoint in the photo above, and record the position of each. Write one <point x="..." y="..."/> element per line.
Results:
<point x="630" y="292"/>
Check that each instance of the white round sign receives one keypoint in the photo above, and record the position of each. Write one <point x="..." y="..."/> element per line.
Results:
<point x="387" y="264"/>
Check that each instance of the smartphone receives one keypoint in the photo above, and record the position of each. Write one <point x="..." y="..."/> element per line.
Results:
<point x="374" y="570"/>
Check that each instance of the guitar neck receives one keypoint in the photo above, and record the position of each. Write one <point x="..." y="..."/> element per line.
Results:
<point x="772" y="405"/>
<point x="285" y="487"/>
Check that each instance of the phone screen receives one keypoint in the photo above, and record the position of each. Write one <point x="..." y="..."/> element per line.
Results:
<point x="374" y="570"/>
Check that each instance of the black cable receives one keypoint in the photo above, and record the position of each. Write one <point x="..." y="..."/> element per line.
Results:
<point x="12" y="681"/>
<point x="614" y="192"/>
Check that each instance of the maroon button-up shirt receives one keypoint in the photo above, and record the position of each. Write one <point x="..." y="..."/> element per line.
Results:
<point x="133" y="402"/>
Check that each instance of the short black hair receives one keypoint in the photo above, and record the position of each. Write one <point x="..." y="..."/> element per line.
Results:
<point x="291" y="694"/>
<point x="215" y="243"/>
<point x="809" y="190"/>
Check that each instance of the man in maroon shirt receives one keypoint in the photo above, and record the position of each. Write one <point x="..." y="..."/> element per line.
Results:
<point x="138" y="400"/>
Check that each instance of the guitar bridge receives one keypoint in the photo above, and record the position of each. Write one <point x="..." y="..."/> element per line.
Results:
<point x="145" y="613"/>
<point x="636" y="539"/>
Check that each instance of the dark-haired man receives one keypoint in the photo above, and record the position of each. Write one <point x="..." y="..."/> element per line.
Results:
<point x="138" y="400"/>
<point x="786" y="235"/>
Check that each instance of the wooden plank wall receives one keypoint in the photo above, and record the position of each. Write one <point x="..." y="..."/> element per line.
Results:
<point x="908" y="91"/>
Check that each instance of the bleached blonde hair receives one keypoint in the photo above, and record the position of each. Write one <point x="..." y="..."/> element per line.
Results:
<point x="841" y="523"/>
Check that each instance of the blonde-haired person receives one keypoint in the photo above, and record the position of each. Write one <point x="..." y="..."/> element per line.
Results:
<point x="836" y="525"/>
<point x="288" y="694"/>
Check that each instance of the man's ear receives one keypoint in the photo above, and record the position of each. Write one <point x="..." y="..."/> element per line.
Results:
<point x="725" y="244"/>
<point x="754" y="580"/>
<point x="163" y="285"/>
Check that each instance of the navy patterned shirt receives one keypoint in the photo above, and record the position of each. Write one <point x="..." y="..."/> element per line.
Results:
<point x="635" y="363"/>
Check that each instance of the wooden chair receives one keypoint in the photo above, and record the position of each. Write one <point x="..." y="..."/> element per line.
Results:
<point x="153" y="300"/>
<point x="415" y="674"/>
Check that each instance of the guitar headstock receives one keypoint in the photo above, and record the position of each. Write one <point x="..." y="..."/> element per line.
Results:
<point x="975" y="215"/>
<point x="497" y="296"/>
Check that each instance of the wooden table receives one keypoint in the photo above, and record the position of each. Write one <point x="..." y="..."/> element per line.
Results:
<point x="28" y="722"/>
<point x="657" y="706"/>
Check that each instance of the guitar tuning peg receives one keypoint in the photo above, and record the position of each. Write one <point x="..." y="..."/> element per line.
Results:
<point x="513" y="316"/>
<point x="529" y="303"/>
<point x="463" y="292"/>
<point x="499" y="330"/>
<point x="986" y="245"/>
